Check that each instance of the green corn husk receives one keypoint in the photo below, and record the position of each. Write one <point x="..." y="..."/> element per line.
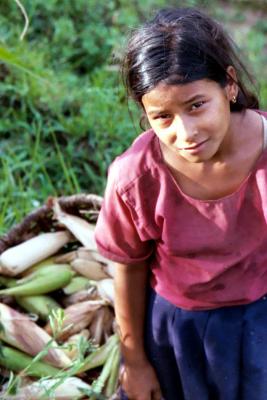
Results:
<point x="76" y="284"/>
<point x="16" y="360"/>
<point x="7" y="282"/>
<point x="42" y="264"/>
<point x="99" y="356"/>
<point x="42" y="281"/>
<point x="42" y="269"/>
<point x="41" y="305"/>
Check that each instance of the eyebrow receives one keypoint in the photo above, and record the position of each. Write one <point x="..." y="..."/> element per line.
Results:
<point x="190" y="100"/>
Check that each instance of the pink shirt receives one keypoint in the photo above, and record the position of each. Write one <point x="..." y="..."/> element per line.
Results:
<point x="203" y="254"/>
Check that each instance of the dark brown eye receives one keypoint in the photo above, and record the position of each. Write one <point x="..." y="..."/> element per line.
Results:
<point x="197" y="105"/>
<point x="162" y="116"/>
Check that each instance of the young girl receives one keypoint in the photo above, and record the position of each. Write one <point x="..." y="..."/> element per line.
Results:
<point x="184" y="217"/>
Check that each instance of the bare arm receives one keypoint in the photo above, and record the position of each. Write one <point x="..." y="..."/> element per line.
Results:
<point x="139" y="379"/>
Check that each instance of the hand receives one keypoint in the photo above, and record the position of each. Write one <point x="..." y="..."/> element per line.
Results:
<point x="140" y="382"/>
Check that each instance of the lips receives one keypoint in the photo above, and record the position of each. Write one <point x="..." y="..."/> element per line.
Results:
<point x="195" y="146"/>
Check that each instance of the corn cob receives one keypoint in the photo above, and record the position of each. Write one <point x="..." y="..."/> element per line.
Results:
<point x="105" y="288"/>
<point x="41" y="281"/>
<point x="56" y="389"/>
<point x="89" y="268"/>
<point x="76" y="284"/>
<point x="16" y="360"/>
<point x="82" y="295"/>
<point x="38" y="266"/>
<point x="66" y="258"/>
<point x="74" y="341"/>
<point x="19" y="331"/>
<point x="18" y="258"/>
<point x="80" y="228"/>
<point x="77" y="317"/>
<point x="101" y="325"/>
<point x="87" y="254"/>
<point x="40" y="305"/>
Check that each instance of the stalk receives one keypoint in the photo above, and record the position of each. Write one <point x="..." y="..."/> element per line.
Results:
<point x="99" y="384"/>
<point x="99" y="356"/>
<point x="113" y="378"/>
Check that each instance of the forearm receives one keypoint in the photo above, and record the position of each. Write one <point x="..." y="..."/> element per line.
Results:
<point x="130" y="302"/>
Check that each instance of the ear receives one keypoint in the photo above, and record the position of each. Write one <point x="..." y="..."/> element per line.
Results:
<point x="231" y="86"/>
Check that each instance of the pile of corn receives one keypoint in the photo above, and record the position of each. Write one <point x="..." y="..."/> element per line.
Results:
<point x="57" y="327"/>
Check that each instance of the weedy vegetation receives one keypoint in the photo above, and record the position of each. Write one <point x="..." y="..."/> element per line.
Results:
<point x="64" y="114"/>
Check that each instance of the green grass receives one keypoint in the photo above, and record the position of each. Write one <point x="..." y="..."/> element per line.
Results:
<point x="64" y="115"/>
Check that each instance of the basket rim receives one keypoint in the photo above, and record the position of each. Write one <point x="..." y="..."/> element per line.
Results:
<point x="42" y="216"/>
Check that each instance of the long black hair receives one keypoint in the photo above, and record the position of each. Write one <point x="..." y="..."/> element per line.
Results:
<point x="182" y="45"/>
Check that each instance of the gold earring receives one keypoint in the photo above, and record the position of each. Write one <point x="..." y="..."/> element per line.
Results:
<point x="233" y="99"/>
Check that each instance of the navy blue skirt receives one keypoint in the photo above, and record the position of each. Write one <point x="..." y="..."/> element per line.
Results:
<point x="218" y="354"/>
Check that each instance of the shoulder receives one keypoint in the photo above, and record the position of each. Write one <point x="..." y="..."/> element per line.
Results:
<point x="263" y="113"/>
<point x="137" y="161"/>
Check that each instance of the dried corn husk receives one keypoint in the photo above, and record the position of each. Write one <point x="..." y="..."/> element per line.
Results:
<point x="77" y="317"/>
<point x="105" y="289"/>
<point x="89" y="268"/>
<point x="19" y="331"/>
<point x="81" y="229"/>
<point x="99" y="320"/>
<point x="82" y="295"/>
<point x="101" y="325"/>
<point x="85" y="254"/>
<point x="73" y="342"/>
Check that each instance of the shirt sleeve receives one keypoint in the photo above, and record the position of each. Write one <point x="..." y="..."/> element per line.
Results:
<point x="116" y="231"/>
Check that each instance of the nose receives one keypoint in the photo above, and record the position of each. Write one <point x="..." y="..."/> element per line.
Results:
<point x="185" y="130"/>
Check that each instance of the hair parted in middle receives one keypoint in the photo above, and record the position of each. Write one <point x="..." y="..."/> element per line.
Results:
<point x="182" y="45"/>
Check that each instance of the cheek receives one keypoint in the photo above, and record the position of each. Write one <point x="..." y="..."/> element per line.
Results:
<point x="218" y="118"/>
<point x="166" y="137"/>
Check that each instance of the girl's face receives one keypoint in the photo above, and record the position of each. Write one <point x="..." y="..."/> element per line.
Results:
<point x="192" y="120"/>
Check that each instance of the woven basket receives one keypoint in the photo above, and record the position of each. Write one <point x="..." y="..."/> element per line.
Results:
<point x="40" y="220"/>
<point x="86" y="206"/>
